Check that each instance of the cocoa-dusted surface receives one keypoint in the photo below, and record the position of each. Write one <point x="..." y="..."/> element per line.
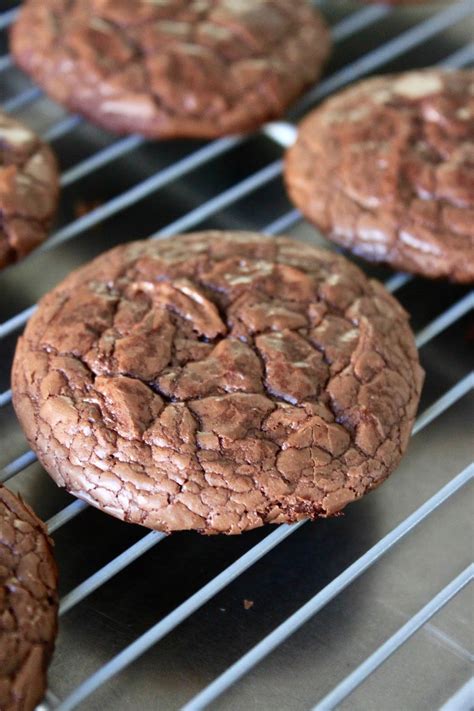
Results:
<point x="386" y="169"/>
<point x="217" y="382"/>
<point x="164" y="69"/>
<point x="28" y="190"/>
<point x="28" y="604"/>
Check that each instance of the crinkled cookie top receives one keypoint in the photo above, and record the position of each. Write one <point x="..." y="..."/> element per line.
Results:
<point x="28" y="604"/>
<point x="218" y="381"/>
<point x="386" y="168"/>
<point x="174" y="67"/>
<point x="28" y="190"/>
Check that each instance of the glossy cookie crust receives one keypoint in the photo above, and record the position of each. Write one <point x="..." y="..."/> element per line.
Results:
<point x="386" y="169"/>
<point x="172" y="68"/>
<point x="218" y="382"/>
<point x="28" y="190"/>
<point x="28" y="604"/>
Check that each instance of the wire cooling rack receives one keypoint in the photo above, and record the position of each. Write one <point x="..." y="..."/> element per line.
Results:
<point x="297" y="617"/>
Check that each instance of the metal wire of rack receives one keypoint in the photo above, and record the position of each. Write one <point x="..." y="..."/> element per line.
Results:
<point x="457" y="305"/>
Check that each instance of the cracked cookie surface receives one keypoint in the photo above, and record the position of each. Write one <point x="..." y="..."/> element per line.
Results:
<point x="386" y="169"/>
<point x="217" y="381"/>
<point x="28" y="604"/>
<point x="172" y="68"/>
<point x="28" y="190"/>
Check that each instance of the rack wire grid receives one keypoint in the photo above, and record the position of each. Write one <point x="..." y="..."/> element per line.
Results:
<point x="371" y="610"/>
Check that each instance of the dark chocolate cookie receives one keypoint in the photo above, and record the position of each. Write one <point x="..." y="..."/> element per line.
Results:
<point x="28" y="190"/>
<point x="386" y="169"/>
<point x="163" y="69"/>
<point x="28" y="604"/>
<point x="217" y="382"/>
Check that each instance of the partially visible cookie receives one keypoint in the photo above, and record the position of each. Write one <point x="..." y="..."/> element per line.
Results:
<point x="29" y="190"/>
<point x="28" y="604"/>
<point x="169" y="69"/>
<point x="386" y="169"/>
<point x="218" y="382"/>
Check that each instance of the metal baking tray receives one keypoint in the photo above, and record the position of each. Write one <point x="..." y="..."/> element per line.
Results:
<point x="367" y="611"/>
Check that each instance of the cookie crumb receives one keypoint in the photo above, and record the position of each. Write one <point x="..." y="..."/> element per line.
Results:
<point x="248" y="604"/>
<point x="83" y="207"/>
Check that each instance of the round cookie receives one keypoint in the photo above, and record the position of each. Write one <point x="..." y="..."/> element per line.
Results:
<point x="28" y="604"/>
<point x="217" y="382"/>
<point x="167" y="69"/>
<point x="28" y="190"/>
<point x="386" y="169"/>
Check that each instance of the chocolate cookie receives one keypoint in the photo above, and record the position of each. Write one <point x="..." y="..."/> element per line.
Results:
<point x="28" y="604"/>
<point x="164" y="69"/>
<point x="217" y="382"/>
<point x="386" y="169"/>
<point x="28" y="190"/>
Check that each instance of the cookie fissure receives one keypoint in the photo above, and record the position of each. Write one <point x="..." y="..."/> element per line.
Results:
<point x="302" y="392"/>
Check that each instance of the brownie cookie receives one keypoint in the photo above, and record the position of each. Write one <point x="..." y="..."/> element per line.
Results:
<point x="217" y="382"/>
<point x="28" y="604"/>
<point x="172" y="68"/>
<point x="386" y="169"/>
<point x="28" y="190"/>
